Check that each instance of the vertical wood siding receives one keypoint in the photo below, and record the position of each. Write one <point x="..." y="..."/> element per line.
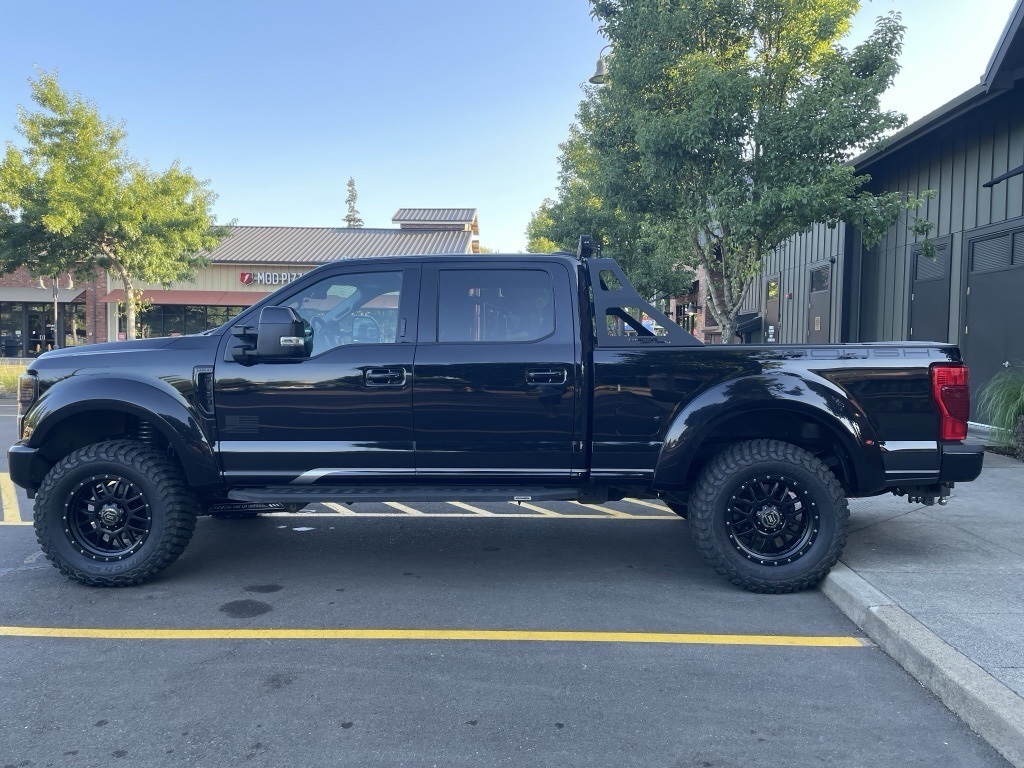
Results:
<point x="955" y="161"/>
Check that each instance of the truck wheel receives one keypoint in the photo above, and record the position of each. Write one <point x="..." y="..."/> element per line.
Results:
<point x="769" y="516"/>
<point x="114" y="514"/>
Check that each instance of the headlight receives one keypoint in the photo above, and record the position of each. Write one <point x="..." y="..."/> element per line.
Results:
<point x="28" y="390"/>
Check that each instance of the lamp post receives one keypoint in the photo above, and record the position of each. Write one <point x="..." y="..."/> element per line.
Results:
<point x="600" y="76"/>
<point x="56" y="287"/>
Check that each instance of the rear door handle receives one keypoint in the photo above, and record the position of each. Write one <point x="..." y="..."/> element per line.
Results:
<point x="385" y="377"/>
<point x="546" y="376"/>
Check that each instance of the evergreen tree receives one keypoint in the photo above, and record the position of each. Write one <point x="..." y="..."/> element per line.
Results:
<point x="352" y="218"/>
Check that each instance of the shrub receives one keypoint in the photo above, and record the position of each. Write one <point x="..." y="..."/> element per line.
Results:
<point x="1001" y="405"/>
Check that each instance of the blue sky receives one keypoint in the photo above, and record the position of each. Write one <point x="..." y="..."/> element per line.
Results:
<point x="452" y="103"/>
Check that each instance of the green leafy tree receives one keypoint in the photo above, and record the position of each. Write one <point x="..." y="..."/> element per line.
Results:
<point x="352" y="218"/>
<point x="579" y="210"/>
<point x="73" y="200"/>
<point x="725" y="126"/>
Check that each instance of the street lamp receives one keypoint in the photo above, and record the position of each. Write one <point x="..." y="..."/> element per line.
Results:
<point x="601" y="71"/>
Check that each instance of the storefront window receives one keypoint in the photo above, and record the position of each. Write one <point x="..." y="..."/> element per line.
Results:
<point x="179" y="319"/>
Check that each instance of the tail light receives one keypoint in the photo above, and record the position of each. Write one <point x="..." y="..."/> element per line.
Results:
<point x="951" y="392"/>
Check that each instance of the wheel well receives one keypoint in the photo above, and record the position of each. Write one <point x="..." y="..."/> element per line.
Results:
<point x="81" y="429"/>
<point x="799" y="429"/>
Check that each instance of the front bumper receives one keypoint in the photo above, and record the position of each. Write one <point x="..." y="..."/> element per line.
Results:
<point x="25" y="467"/>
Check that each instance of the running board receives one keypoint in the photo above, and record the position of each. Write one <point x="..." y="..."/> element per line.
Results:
<point x="287" y="494"/>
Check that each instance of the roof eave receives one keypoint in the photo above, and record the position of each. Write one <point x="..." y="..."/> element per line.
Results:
<point x="930" y="123"/>
<point x="995" y="64"/>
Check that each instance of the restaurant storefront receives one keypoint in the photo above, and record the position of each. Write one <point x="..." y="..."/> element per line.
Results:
<point x="28" y="326"/>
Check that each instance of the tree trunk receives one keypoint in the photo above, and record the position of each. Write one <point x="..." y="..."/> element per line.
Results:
<point x="129" y="302"/>
<point x="729" y="330"/>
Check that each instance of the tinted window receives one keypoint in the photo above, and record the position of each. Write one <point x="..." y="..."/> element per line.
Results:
<point x="495" y="305"/>
<point x="819" y="279"/>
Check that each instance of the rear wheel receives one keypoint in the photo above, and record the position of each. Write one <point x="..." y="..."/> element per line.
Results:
<point x="769" y="516"/>
<point x="114" y="514"/>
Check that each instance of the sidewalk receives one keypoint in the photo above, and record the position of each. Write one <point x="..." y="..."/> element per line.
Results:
<point x="941" y="590"/>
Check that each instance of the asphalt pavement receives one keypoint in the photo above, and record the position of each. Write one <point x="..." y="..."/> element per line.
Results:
<point x="937" y="588"/>
<point x="941" y="590"/>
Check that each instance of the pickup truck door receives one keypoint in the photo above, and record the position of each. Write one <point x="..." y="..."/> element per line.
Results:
<point x="344" y="411"/>
<point x="496" y="379"/>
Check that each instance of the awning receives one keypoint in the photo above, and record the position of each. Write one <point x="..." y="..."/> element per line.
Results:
<point x="39" y="295"/>
<point x="196" y="298"/>
<point x="749" y="322"/>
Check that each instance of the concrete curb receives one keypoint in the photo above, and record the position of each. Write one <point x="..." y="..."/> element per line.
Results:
<point x="990" y="708"/>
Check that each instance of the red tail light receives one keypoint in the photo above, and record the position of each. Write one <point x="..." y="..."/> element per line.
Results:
<point x="951" y="392"/>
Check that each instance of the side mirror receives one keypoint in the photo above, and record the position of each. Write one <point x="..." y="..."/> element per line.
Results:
<point x="281" y="335"/>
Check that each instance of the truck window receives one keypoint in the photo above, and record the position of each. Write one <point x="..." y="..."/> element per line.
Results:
<point x="491" y="305"/>
<point x="353" y="308"/>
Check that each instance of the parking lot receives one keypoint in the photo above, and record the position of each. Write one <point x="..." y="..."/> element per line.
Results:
<point x="445" y="634"/>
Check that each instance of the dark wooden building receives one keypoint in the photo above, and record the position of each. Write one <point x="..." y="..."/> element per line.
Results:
<point x="824" y="286"/>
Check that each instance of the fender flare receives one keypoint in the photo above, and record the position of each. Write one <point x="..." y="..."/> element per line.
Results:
<point x="816" y="398"/>
<point x="159" y="403"/>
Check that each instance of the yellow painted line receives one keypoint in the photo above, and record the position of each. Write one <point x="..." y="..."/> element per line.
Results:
<point x="499" y="635"/>
<point x="535" y="508"/>
<point x="403" y="508"/>
<point x="341" y="509"/>
<point x="606" y="510"/>
<point x="9" y="499"/>
<point x="650" y="504"/>
<point x="471" y="508"/>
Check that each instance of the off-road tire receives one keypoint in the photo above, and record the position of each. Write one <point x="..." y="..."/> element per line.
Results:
<point x="726" y="525"/>
<point x="160" y="492"/>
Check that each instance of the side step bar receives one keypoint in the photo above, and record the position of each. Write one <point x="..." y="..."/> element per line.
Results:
<point x="319" y="493"/>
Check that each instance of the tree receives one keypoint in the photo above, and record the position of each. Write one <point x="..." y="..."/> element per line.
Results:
<point x="579" y="210"/>
<point x="73" y="200"/>
<point x="352" y="218"/>
<point x="725" y="127"/>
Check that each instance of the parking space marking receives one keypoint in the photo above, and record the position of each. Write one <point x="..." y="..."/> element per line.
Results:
<point x="448" y="515"/>
<point x="471" y="508"/>
<point x="650" y="504"/>
<point x="535" y="508"/>
<point x="670" y="638"/>
<point x="606" y="510"/>
<point x="403" y="508"/>
<point x="9" y="499"/>
<point x="341" y="509"/>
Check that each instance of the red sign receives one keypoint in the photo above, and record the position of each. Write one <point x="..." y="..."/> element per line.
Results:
<point x="245" y="278"/>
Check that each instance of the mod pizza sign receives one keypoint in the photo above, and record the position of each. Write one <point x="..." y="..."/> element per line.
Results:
<point x="268" y="278"/>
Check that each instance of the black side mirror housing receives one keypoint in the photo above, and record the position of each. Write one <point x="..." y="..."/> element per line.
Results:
<point x="281" y="335"/>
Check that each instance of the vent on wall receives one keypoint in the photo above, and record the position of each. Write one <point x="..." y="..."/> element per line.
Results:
<point x="932" y="269"/>
<point x="993" y="253"/>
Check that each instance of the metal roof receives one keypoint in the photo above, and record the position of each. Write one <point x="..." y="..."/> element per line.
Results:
<point x="436" y="215"/>
<point x="318" y="245"/>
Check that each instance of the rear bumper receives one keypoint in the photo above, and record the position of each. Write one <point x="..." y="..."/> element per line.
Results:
<point x="913" y="463"/>
<point x="961" y="462"/>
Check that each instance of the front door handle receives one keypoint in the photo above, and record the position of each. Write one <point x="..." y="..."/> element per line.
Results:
<point x="385" y="377"/>
<point x="546" y="376"/>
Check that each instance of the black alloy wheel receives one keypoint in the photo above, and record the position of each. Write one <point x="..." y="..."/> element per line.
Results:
<point x="114" y="514"/>
<point x="772" y="520"/>
<point x="769" y="516"/>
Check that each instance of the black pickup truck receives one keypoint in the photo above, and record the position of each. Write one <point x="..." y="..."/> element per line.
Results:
<point x="517" y="377"/>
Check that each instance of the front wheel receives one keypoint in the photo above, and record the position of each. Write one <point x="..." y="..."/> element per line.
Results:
<point x="769" y="516"/>
<point x="114" y="514"/>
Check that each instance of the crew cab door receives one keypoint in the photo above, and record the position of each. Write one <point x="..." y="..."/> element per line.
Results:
<point x="496" y="382"/>
<point x="346" y="408"/>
